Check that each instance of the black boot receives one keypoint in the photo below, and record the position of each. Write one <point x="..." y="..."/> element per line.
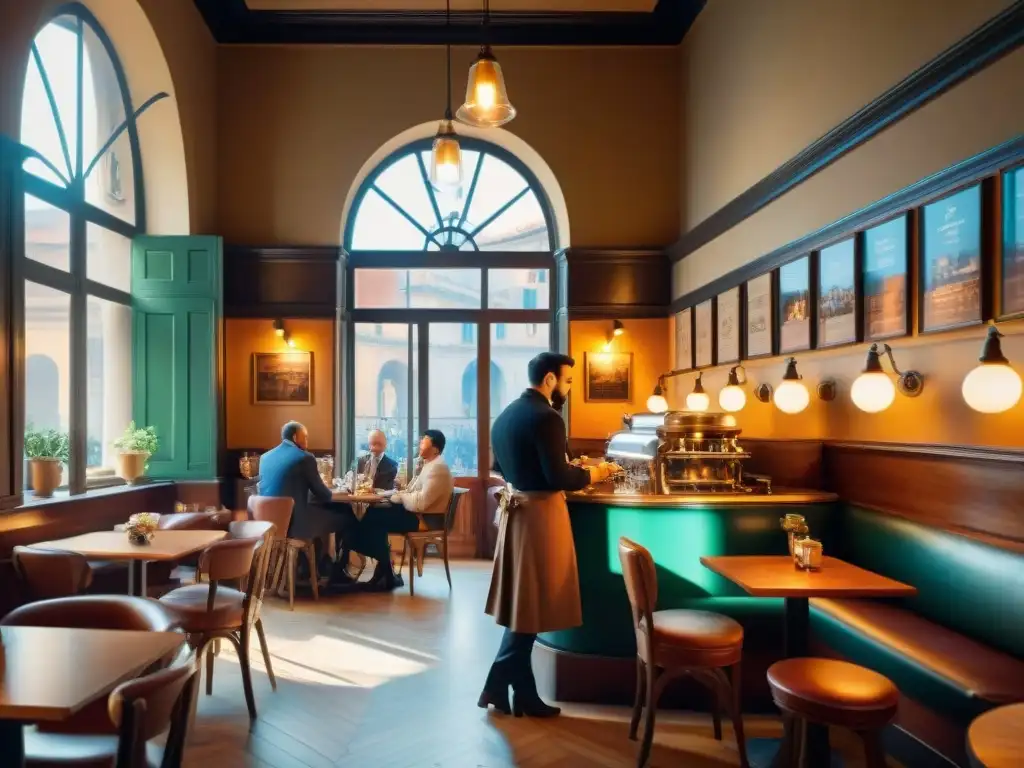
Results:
<point x="526" y="700"/>
<point x="495" y="692"/>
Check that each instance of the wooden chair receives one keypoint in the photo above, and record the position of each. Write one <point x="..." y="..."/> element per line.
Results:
<point x="677" y="643"/>
<point x="416" y="541"/>
<point x="285" y="551"/>
<point x="211" y="611"/>
<point x="50" y="573"/>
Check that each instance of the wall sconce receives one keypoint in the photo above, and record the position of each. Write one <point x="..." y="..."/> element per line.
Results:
<point x="618" y="328"/>
<point x="289" y="340"/>
<point x="873" y="391"/>
<point x="792" y="396"/>
<point x="732" y="398"/>
<point x="993" y="386"/>
<point x="279" y="327"/>
<point x="697" y="400"/>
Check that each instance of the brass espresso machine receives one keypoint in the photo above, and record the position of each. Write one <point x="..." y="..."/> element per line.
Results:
<point x="686" y="452"/>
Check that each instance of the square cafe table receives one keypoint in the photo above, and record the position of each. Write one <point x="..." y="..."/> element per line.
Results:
<point x="777" y="576"/>
<point x="114" y="545"/>
<point x="48" y="674"/>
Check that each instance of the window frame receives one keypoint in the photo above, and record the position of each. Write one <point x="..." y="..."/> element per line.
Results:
<point x="72" y="200"/>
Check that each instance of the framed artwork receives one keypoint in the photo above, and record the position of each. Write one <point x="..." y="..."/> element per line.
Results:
<point x="837" y="294"/>
<point x="282" y="378"/>
<point x="1011" y="268"/>
<point x="608" y="377"/>
<point x="794" y="306"/>
<point x="684" y="339"/>
<point x="727" y="338"/>
<point x="759" y="316"/>
<point x="951" y="258"/>
<point x="886" y="296"/>
<point x="703" y="335"/>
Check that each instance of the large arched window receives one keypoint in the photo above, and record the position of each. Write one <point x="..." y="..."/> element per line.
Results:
<point x="84" y="202"/>
<point x="452" y="288"/>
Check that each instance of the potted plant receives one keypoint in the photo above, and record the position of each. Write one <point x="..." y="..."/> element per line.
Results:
<point x="134" y="449"/>
<point x="46" y="451"/>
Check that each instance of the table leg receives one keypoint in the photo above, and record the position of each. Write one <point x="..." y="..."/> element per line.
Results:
<point x="12" y="744"/>
<point x="131" y="578"/>
<point x="143" y="592"/>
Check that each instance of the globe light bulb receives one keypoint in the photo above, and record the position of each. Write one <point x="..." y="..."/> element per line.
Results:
<point x="992" y="388"/>
<point x="732" y="398"/>
<point x="657" y="404"/>
<point x="873" y="391"/>
<point x="792" y="397"/>
<point x="697" y="401"/>
<point x="446" y="158"/>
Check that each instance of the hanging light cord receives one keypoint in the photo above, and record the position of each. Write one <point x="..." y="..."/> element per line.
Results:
<point x="448" y="71"/>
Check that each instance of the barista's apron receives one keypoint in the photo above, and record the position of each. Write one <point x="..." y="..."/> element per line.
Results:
<point x="535" y="584"/>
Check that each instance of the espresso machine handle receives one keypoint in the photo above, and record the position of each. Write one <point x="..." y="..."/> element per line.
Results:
<point x="762" y="479"/>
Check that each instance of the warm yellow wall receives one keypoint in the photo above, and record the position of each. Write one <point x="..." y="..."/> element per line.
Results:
<point x="792" y="70"/>
<point x="297" y="123"/>
<point x="259" y="426"/>
<point x="646" y="339"/>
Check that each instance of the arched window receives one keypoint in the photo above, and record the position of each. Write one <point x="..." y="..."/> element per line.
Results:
<point x="84" y="202"/>
<point x="458" y="286"/>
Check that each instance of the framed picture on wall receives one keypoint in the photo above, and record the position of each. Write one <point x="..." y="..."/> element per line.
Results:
<point x="727" y="337"/>
<point x="282" y="378"/>
<point x="684" y="339"/>
<point x="837" y="294"/>
<point x="794" y="306"/>
<point x="951" y="258"/>
<point x="1011" y="298"/>
<point x="607" y="377"/>
<point x="886" y="297"/>
<point x="703" y="332"/>
<point x="759" y="316"/>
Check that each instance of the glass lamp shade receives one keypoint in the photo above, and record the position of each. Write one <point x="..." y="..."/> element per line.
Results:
<point x="873" y="391"/>
<point x="446" y="158"/>
<point x="992" y="388"/>
<point x="487" y="104"/>
<point x="697" y="401"/>
<point x="792" y="396"/>
<point x="657" y="404"/>
<point x="732" y="398"/>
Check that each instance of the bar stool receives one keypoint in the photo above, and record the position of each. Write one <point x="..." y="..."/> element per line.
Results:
<point x="832" y="692"/>
<point x="677" y="643"/>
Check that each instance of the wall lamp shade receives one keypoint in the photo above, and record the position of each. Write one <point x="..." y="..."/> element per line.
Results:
<point x="446" y="158"/>
<point x="874" y="390"/>
<point x="993" y="386"/>
<point x="698" y="400"/>
<point x="618" y="328"/>
<point x="791" y="396"/>
<point x="279" y="327"/>
<point x="487" y="104"/>
<point x="657" y="403"/>
<point x="733" y="398"/>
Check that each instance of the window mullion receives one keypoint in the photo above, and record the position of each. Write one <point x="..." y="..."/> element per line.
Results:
<point x="79" y="378"/>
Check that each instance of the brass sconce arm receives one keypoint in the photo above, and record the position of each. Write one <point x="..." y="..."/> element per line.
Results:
<point x="909" y="383"/>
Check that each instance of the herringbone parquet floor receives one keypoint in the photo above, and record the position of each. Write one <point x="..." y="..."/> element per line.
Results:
<point x="389" y="681"/>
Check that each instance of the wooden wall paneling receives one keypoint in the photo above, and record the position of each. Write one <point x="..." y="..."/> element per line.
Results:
<point x="972" y="490"/>
<point x="789" y="463"/>
<point x="617" y="284"/>
<point x="293" y="282"/>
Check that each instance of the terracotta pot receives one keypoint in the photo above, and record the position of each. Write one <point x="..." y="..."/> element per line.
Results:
<point x="131" y="465"/>
<point x="46" y="475"/>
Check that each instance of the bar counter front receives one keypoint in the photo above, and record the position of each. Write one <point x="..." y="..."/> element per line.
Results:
<point x="595" y="662"/>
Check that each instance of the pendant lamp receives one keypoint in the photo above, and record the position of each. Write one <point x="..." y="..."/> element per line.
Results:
<point x="446" y="154"/>
<point x="487" y="104"/>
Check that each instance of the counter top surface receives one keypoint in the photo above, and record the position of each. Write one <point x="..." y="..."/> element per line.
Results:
<point x="604" y="493"/>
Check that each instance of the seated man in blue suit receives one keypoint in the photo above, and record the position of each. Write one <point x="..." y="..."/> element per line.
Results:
<point x="290" y="470"/>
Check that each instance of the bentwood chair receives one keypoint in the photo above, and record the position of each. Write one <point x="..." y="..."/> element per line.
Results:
<point x="416" y="541"/>
<point x="284" y="551"/>
<point x="676" y="643"/>
<point x="212" y="610"/>
<point x="50" y="573"/>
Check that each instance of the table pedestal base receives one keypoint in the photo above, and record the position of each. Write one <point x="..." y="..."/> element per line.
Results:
<point x="12" y="744"/>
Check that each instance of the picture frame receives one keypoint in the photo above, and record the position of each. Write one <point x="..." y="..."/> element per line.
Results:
<point x="608" y="377"/>
<point x="1011" y="259"/>
<point x="760" y="326"/>
<point x="282" y="378"/>
<point x="837" y="294"/>
<point x="728" y="327"/>
<point x="704" y="334"/>
<point x="793" y="306"/>
<point x="951" y="285"/>
<point x="684" y="339"/>
<point x="885" y="279"/>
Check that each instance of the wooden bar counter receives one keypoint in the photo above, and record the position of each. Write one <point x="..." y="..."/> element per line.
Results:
<point x="595" y="662"/>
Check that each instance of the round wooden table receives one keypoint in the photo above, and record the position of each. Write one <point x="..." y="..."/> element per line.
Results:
<point x="996" y="738"/>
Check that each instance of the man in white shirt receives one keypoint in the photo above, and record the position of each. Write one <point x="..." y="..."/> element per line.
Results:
<point x="426" y="498"/>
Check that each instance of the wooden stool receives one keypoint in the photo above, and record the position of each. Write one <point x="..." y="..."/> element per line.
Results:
<point x="996" y="738"/>
<point x="831" y="692"/>
<point x="677" y="643"/>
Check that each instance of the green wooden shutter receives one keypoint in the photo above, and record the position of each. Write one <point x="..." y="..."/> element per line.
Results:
<point x="176" y="298"/>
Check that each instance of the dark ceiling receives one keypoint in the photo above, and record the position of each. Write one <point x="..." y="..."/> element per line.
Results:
<point x="234" y="22"/>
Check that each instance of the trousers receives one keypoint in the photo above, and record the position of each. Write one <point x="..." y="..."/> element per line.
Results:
<point x="512" y="665"/>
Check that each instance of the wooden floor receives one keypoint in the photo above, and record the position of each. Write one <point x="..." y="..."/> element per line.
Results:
<point x="389" y="681"/>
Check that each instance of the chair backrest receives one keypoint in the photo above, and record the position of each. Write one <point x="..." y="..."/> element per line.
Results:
<point x="193" y="521"/>
<point x="95" y="612"/>
<point x="227" y="560"/>
<point x="50" y="573"/>
<point x="251" y="529"/>
<point x="453" y="508"/>
<point x="273" y="509"/>
<point x="641" y="579"/>
<point x="145" y="707"/>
